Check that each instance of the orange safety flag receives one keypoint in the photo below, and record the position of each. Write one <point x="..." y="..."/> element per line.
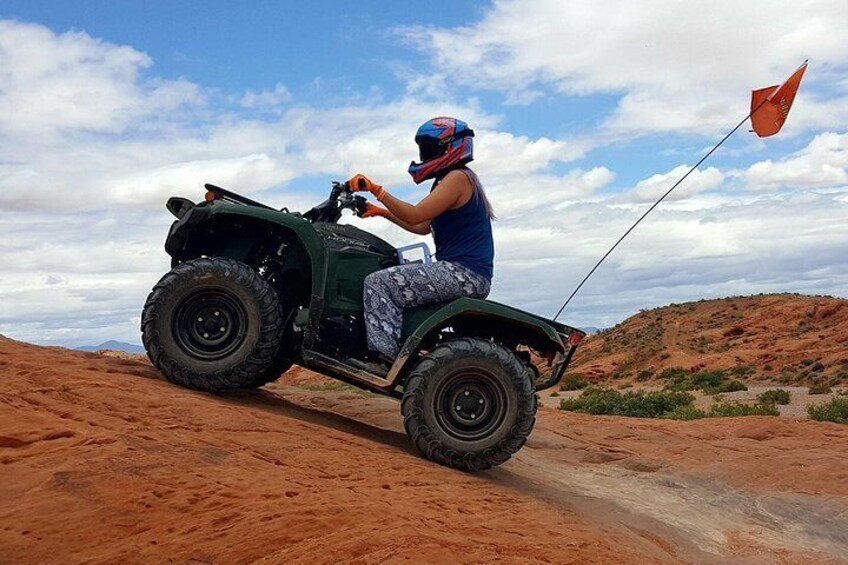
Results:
<point x="770" y="106"/>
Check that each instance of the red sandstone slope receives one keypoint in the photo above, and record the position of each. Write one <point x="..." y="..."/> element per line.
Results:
<point x="101" y="461"/>
<point x="781" y="338"/>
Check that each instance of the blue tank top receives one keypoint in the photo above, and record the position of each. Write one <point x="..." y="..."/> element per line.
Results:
<point x="464" y="235"/>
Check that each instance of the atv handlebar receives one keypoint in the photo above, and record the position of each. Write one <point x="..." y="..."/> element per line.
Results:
<point x="341" y="198"/>
<point x="353" y="202"/>
<point x="330" y="211"/>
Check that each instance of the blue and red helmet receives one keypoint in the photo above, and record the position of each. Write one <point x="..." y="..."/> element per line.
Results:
<point x="443" y="144"/>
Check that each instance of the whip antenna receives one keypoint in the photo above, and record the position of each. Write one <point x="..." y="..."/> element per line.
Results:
<point x="648" y="211"/>
<point x="777" y="101"/>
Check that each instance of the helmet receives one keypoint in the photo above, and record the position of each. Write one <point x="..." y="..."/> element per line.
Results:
<point x="443" y="144"/>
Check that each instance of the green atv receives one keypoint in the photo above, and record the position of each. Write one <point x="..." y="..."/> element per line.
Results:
<point x="253" y="290"/>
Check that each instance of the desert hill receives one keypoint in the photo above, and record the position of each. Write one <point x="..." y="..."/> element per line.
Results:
<point x="102" y="461"/>
<point x="781" y="338"/>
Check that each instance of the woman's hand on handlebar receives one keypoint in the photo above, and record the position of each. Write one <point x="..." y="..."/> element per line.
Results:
<point x="372" y="210"/>
<point x="361" y="183"/>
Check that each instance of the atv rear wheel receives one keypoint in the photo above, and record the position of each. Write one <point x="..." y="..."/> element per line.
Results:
<point x="214" y="324"/>
<point x="469" y="404"/>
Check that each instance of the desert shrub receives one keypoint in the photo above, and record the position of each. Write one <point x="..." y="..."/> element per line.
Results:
<point x="729" y="386"/>
<point x="706" y="379"/>
<point x="721" y="410"/>
<point x="767" y="367"/>
<point x="574" y="381"/>
<point x="733" y="409"/>
<point x="775" y="396"/>
<point x="685" y="412"/>
<point x="807" y="362"/>
<point x="554" y="394"/>
<point x="819" y="388"/>
<point x="634" y="404"/>
<point x="673" y="373"/>
<point x="644" y="375"/>
<point x="785" y="379"/>
<point x="834" y="411"/>
<point x="711" y="382"/>
<point x="741" y="371"/>
<point x="681" y="380"/>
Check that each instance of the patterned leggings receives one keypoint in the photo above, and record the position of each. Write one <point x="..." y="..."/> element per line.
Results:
<point x="389" y="291"/>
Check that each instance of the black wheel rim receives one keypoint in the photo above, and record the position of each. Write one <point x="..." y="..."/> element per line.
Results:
<point x="470" y="405"/>
<point x="209" y="324"/>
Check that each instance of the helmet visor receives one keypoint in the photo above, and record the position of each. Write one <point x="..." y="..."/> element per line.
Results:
<point x="429" y="148"/>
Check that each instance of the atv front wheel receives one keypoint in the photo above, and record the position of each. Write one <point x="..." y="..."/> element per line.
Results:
<point x="214" y="324"/>
<point x="469" y="404"/>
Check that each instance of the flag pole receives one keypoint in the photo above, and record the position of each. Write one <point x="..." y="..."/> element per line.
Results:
<point x="657" y="203"/>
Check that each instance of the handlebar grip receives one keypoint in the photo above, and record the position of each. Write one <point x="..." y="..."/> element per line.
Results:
<point x="359" y="205"/>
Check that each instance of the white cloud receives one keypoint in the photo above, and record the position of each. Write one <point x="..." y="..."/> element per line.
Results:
<point x="51" y="83"/>
<point x="266" y="99"/>
<point x="652" y="188"/>
<point x="823" y="163"/>
<point x="677" y="67"/>
<point x="517" y="195"/>
<point x="722" y="246"/>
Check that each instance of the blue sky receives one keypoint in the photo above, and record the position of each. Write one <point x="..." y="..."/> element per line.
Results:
<point x="584" y="115"/>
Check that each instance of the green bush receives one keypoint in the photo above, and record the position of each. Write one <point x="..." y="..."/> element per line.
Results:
<point x="573" y="382"/>
<point x="686" y="412"/>
<point x="634" y="404"/>
<point x="741" y="371"/>
<point x="711" y="382"/>
<point x="706" y="379"/>
<point x="644" y="375"/>
<point x="673" y="374"/>
<point x="729" y="386"/>
<point x="820" y="388"/>
<point x="733" y="409"/>
<point x="775" y="396"/>
<point x="834" y="411"/>
<point x="676" y="405"/>
<point x="721" y="410"/>
<point x="554" y="394"/>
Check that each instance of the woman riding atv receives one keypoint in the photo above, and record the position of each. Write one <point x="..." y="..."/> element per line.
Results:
<point x="459" y="216"/>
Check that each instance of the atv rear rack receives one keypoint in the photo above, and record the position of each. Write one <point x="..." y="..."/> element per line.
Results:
<point x="224" y="195"/>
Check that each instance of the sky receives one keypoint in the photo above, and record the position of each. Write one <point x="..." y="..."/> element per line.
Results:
<point x="584" y="112"/>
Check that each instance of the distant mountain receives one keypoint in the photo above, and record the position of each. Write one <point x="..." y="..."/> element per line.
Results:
<point x="591" y="330"/>
<point x="114" y="346"/>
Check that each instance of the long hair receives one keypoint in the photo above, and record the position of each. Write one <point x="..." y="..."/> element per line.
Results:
<point x="478" y="189"/>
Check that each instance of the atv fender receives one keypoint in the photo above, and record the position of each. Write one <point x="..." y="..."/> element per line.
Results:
<point x="490" y="320"/>
<point x="204" y="230"/>
<point x="187" y="236"/>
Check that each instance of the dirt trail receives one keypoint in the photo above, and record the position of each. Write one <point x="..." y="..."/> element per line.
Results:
<point x="101" y="461"/>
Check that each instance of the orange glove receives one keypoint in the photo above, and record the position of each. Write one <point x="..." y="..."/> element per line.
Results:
<point x="372" y="210"/>
<point x="360" y="182"/>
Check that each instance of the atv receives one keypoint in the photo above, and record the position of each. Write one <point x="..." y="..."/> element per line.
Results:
<point x="253" y="290"/>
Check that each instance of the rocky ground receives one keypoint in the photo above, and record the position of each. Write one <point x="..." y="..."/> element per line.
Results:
<point x="101" y="461"/>
<point x="780" y="339"/>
